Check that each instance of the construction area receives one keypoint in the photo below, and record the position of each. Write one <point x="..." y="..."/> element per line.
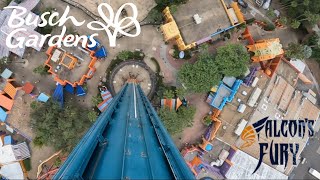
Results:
<point x="195" y="23"/>
<point x="212" y="17"/>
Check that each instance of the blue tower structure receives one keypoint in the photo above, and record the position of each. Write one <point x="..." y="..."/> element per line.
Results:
<point x="128" y="141"/>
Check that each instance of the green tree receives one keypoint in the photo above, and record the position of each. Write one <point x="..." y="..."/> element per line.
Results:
<point x="295" y="24"/>
<point x="173" y="8"/>
<point x="232" y="60"/>
<point x="310" y="17"/>
<point x="174" y="121"/>
<point x="207" y="121"/>
<point x="307" y="51"/>
<point x="283" y="20"/>
<point x="3" y="63"/>
<point x="42" y="70"/>
<point x="271" y="14"/>
<point x="314" y="40"/>
<point x="169" y="94"/>
<point x="316" y="54"/>
<point x="18" y="1"/>
<point x="124" y="55"/>
<point x="200" y="76"/>
<point x="269" y="27"/>
<point x="155" y="16"/>
<point x="164" y="3"/>
<point x="180" y="92"/>
<point x="298" y="51"/>
<point x="92" y="116"/>
<point x="57" y="162"/>
<point x="96" y="100"/>
<point x="59" y="127"/>
<point x="302" y="11"/>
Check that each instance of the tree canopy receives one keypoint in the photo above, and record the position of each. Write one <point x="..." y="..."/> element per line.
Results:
<point x="298" y="51"/>
<point x="58" y="127"/>
<point x="42" y="70"/>
<point x="164" y="3"/>
<point x="176" y="121"/>
<point x="200" y="76"/>
<point x="300" y="11"/>
<point x="314" y="43"/>
<point x="232" y="60"/>
<point x="3" y="63"/>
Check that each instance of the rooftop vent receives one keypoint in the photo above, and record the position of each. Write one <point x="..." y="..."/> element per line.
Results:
<point x="197" y="18"/>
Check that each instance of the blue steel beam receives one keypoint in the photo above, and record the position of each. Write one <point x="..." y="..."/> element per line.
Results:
<point x="128" y="141"/>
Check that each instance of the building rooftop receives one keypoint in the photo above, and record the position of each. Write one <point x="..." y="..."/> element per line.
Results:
<point x="71" y="65"/>
<point x="225" y="92"/>
<point x="12" y="171"/>
<point x="6" y="30"/>
<point x="13" y="153"/>
<point x="213" y="17"/>
<point x="280" y="99"/>
<point x="6" y="74"/>
<point x="243" y="166"/>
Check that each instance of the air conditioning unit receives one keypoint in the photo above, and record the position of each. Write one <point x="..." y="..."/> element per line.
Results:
<point x="197" y="18"/>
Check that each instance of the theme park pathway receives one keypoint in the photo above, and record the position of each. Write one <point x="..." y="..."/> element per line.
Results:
<point x="39" y="154"/>
<point x="193" y="134"/>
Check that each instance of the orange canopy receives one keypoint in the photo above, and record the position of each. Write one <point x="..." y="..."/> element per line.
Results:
<point x="6" y="102"/>
<point x="10" y="90"/>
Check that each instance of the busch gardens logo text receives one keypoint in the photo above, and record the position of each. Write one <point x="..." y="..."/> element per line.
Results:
<point x="278" y="152"/>
<point x="111" y="23"/>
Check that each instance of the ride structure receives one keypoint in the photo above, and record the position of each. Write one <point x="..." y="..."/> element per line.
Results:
<point x="128" y="141"/>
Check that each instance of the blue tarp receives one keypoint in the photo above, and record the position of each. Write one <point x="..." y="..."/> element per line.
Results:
<point x="7" y="140"/>
<point x="101" y="53"/>
<point x="43" y="97"/>
<point x="80" y="91"/>
<point x="69" y="88"/>
<point x="3" y="115"/>
<point x="95" y="47"/>
<point x="58" y="94"/>
<point x="6" y="74"/>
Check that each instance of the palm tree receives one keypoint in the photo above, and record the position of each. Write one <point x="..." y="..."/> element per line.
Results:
<point x="295" y="4"/>
<point x="295" y="24"/>
<point x="168" y="94"/>
<point x="283" y="20"/>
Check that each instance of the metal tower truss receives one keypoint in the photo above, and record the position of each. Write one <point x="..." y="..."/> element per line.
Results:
<point x="128" y="141"/>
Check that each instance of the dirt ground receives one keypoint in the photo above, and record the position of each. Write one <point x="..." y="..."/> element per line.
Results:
<point x="39" y="154"/>
<point x="192" y="135"/>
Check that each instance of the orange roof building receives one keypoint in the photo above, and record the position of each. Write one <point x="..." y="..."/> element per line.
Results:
<point x="10" y="90"/>
<point x="73" y="67"/>
<point x="266" y="49"/>
<point x="6" y="102"/>
<point x="28" y="88"/>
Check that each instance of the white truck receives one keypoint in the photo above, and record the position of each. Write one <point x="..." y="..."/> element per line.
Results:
<point x="315" y="173"/>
